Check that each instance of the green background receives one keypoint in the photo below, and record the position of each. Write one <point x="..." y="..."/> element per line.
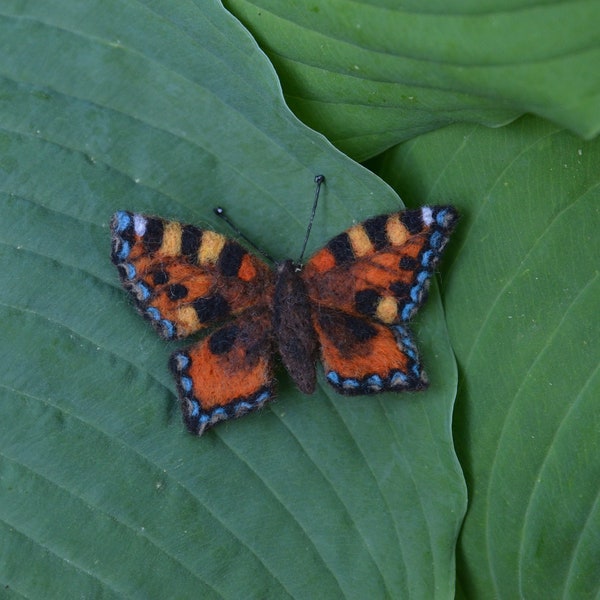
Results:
<point x="485" y="486"/>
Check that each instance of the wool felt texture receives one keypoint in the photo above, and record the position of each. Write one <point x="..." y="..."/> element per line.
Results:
<point x="349" y="305"/>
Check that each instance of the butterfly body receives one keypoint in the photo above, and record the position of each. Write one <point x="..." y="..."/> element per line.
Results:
<point x="293" y="328"/>
<point x="349" y="305"/>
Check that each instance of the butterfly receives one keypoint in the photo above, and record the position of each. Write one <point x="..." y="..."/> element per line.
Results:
<point x="349" y="304"/>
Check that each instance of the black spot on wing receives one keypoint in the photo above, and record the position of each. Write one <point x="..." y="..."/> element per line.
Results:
<point x="191" y="237"/>
<point x="400" y="289"/>
<point x="160" y="277"/>
<point x="211" y="308"/>
<point x="153" y="237"/>
<point x="230" y="258"/>
<point x="376" y="230"/>
<point x="345" y="330"/>
<point x="222" y="340"/>
<point x="177" y="291"/>
<point x="408" y="263"/>
<point x="341" y="248"/>
<point x="359" y="328"/>
<point x="366" y="302"/>
<point x="412" y="220"/>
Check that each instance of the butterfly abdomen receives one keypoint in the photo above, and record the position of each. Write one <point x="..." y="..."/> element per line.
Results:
<point x="292" y="325"/>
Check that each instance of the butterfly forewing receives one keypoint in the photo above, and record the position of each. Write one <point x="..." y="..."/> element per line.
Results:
<point x="183" y="278"/>
<point x="381" y="268"/>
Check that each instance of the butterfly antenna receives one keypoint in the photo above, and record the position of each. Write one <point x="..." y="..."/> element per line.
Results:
<point x="221" y="213"/>
<point x="319" y="180"/>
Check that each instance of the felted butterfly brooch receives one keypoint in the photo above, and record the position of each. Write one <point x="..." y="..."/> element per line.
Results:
<point x="350" y="304"/>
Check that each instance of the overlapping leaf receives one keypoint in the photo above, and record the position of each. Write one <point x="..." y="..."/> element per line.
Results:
<point x="170" y="109"/>
<point x="522" y="308"/>
<point x="370" y="74"/>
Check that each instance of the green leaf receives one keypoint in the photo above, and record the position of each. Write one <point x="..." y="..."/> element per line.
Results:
<point x="170" y="108"/>
<point x="369" y="74"/>
<point x="521" y="288"/>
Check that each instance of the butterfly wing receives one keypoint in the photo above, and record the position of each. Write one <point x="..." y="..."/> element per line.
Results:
<point x="381" y="268"/>
<point x="227" y="374"/>
<point x="183" y="278"/>
<point x="362" y="356"/>
<point x="364" y="285"/>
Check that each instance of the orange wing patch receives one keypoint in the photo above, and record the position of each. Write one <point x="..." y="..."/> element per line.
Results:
<point x="227" y="374"/>
<point x="362" y="357"/>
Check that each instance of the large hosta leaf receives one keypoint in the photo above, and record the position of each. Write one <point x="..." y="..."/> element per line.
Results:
<point x="171" y="108"/>
<point x="522" y="308"/>
<point x="369" y="73"/>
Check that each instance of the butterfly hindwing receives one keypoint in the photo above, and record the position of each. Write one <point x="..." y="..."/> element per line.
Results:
<point x="362" y="356"/>
<point x="381" y="268"/>
<point x="228" y="373"/>
<point x="183" y="278"/>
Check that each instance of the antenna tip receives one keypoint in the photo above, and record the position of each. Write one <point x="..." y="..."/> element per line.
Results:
<point x="218" y="211"/>
<point x="319" y="178"/>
